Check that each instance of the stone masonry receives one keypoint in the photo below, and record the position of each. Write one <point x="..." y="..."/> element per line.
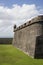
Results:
<point x="29" y="37"/>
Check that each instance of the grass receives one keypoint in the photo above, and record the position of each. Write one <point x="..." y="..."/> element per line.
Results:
<point x="10" y="55"/>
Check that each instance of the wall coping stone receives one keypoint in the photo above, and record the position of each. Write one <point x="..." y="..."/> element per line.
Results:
<point x="34" y="20"/>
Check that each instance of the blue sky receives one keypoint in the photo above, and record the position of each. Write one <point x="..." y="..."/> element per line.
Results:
<point x="9" y="3"/>
<point x="17" y="12"/>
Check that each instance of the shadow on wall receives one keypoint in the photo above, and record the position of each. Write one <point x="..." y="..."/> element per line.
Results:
<point x="39" y="48"/>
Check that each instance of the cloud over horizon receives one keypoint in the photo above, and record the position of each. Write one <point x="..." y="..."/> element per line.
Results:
<point x="16" y="15"/>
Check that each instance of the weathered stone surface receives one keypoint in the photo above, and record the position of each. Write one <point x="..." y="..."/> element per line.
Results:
<point x="25" y="37"/>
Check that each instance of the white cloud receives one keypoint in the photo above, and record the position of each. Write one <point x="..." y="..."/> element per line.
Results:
<point x="15" y="15"/>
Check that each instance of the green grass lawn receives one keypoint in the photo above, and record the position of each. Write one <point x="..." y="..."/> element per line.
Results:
<point x="9" y="55"/>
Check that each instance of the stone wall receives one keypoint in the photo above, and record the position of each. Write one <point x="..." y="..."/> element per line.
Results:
<point x="25" y="35"/>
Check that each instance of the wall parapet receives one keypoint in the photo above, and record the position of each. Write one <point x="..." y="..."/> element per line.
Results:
<point x="34" y="20"/>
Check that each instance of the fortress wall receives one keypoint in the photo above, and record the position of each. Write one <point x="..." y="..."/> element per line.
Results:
<point x="25" y="38"/>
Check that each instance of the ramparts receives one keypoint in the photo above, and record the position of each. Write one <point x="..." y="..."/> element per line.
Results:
<point x="34" y="20"/>
<point x="29" y="37"/>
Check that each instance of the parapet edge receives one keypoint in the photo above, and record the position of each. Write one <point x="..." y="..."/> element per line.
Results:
<point x="34" y="20"/>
